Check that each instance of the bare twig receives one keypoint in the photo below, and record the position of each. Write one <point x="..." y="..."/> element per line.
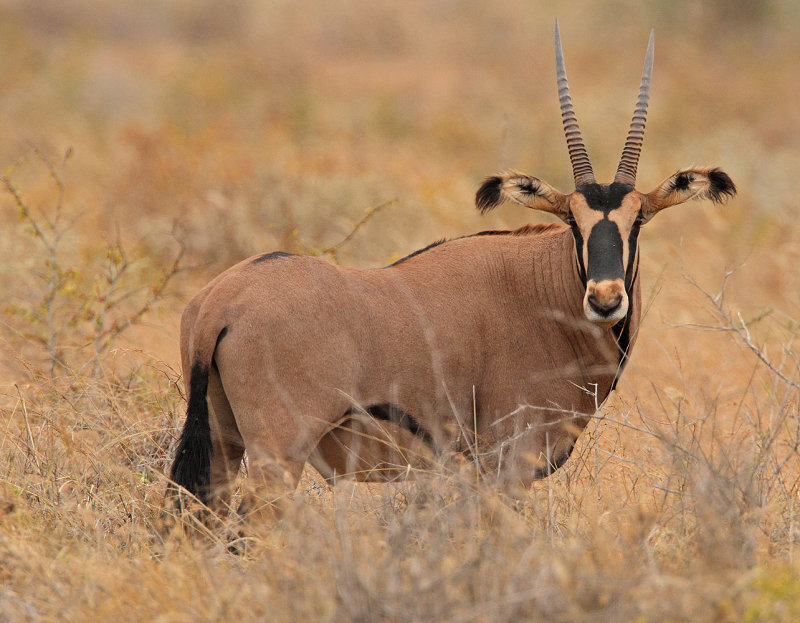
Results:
<point x="333" y="249"/>
<point x="31" y="442"/>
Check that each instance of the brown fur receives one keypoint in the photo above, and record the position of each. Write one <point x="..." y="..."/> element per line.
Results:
<point x="306" y="340"/>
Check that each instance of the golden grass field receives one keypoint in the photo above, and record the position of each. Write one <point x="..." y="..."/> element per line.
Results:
<point x="148" y="146"/>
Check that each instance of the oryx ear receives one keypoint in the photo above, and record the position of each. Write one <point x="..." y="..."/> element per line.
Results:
<point x="523" y="189"/>
<point x="688" y="184"/>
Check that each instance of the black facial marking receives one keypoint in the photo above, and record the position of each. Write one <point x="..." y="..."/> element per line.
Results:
<point x="622" y="330"/>
<point x="576" y="233"/>
<point x="633" y="240"/>
<point x="393" y="414"/>
<point x="604" y="198"/>
<point x="488" y="195"/>
<point x="605" y="252"/>
<point x="270" y="256"/>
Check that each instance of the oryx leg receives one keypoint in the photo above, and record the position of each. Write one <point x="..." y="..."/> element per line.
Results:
<point x="227" y="444"/>
<point x="277" y="450"/>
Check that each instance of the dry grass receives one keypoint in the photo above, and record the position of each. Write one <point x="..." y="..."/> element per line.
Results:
<point x="208" y="132"/>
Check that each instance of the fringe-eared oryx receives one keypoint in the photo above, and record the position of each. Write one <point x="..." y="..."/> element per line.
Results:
<point x="504" y="340"/>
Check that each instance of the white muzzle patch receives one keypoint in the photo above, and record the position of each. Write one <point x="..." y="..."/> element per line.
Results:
<point x="605" y="303"/>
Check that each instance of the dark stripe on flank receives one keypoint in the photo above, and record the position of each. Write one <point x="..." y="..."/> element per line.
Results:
<point x="553" y="464"/>
<point x="388" y="412"/>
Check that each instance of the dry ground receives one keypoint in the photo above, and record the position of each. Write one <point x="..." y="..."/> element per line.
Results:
<point x="147" y="146"/>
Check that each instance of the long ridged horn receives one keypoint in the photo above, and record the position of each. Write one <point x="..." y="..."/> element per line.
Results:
<point x="581" y="167"/>
<point x="626" y="171"/>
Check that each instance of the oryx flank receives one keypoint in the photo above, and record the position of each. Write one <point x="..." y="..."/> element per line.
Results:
<point x="503" y="340"/>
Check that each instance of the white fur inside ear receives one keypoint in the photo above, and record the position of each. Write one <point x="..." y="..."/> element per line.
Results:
<point x="523" y="189"/>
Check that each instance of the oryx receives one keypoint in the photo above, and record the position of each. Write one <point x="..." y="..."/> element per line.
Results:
<point x="502" y="341"/>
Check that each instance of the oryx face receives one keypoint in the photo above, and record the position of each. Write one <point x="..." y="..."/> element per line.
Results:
<point x="605" y="221"/>
<point x="605" y="218"/>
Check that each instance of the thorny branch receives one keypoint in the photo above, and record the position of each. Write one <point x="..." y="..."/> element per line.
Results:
<point x="333" y="249"/>
<point x="738" y="325"/>
<point x="108" y="306"/>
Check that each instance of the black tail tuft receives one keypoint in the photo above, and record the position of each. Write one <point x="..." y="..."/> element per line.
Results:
<point x="192" y="466"/>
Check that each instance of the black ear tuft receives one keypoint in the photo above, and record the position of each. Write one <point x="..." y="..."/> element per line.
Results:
<point x="489" y="195"/>
<point x="720" y="186"/>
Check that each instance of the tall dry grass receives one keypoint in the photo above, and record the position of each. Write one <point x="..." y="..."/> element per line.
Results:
<point x="202" y="133"/>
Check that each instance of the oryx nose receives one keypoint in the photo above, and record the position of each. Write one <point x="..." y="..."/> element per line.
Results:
<point x="605" y="306"/>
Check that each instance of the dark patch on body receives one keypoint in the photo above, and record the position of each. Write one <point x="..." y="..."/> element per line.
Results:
<point x="553" y="464"/>
<point x="270" y="256"/>
<point x="388" y="412"/>
<point x="220" y="337"/>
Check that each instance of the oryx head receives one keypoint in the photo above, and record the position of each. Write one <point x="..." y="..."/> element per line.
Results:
<point x="605" y="218"/>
